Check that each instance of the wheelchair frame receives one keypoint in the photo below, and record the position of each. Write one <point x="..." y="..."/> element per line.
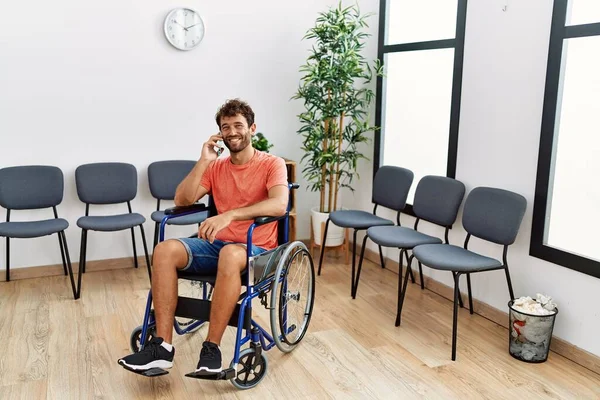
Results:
<point x="199" y="309"/>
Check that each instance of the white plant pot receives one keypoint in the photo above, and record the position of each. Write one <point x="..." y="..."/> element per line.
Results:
<point x="335" y="234"/>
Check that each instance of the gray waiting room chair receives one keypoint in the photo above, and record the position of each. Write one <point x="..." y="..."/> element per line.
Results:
<point x="491" y="214"/>
<point x="102" y="184"/>
<point x="437" y="200"/>
<point x="34" y="187"/>
<point x="163" y="179"/>
<point x="390" y="190"/>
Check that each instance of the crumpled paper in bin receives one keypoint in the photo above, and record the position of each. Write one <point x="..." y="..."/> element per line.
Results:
<point x="531" y="334"/>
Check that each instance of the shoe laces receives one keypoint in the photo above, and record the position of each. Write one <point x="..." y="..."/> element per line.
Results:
<point x="208" y="352"/>
<point x="152" y="347"/>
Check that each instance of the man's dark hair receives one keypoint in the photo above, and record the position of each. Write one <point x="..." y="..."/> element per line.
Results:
<point x="234" y="107"/>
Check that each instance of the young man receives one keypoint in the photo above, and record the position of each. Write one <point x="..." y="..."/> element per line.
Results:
<point x="247" y="184"/>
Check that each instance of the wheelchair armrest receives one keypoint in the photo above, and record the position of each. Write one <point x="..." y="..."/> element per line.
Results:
<point x="193" y="208"/>
<point x="258" y="221"/>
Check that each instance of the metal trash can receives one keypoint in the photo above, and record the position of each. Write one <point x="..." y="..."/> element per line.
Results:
<point x="530" y="334"/>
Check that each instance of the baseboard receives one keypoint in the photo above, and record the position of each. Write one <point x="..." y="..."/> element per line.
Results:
<point x="558" y="345"/>
<point x="57" y="269"/>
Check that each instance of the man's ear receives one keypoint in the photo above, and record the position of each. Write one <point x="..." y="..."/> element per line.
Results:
<point x="253" y="129"/>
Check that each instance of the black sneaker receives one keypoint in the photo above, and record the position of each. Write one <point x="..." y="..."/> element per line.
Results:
<point x="153" y="356"/>
<point x="210" y="358"/>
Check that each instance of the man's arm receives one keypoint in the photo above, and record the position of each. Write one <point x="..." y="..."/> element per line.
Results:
<point x="189" y="190"/>
<point x="274" y="206"/>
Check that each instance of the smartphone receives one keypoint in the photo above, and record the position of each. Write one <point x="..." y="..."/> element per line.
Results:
<point x="220" y="145"/>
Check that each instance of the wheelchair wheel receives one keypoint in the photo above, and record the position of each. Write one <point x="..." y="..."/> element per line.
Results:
<point x="135" y="339"/>
<point x="292" y="297"/>
<point x="250" y="370"/>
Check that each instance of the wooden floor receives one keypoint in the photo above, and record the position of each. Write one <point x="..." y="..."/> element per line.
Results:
<point x="56" y="348"/>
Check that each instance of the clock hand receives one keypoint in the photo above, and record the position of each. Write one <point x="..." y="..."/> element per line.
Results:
<point x="193" y="25"/>
<point x="177" y="22"/>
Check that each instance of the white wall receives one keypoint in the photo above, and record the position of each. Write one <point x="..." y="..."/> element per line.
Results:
<point x="501" y="110"/>
<point x="86" y="82"/>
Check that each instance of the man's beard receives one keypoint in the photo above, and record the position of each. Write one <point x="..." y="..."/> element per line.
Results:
<point x="240" y="145"/>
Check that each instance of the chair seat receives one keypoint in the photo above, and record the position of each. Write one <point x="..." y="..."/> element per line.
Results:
<point x="31" y="229"/>
<point x="189" y="219"/>
<point x="453" y="258"/>
<point x="110" y="223"/>
<point x="357" y="219"/>
<point x="399" y="236"/>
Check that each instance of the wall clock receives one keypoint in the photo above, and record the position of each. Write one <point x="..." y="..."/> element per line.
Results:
<point x="184" y="28"/>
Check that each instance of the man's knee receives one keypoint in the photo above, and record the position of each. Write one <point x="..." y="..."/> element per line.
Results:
<point x="170" y="252"/>
<point x="232" y="259"/>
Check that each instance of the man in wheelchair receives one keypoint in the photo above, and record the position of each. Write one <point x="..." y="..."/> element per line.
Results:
<point x="247" y="184"/>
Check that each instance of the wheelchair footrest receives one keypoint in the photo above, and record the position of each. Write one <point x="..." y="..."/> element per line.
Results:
<point x="225" y="374"/>
<point x="151" y="373"/>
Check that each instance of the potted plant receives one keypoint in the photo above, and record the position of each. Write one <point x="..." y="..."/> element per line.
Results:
<point x="260" y="142"/>
<point x="336" y="92"/>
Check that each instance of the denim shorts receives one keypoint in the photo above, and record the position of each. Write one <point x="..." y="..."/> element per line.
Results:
<point x="203" y="256"/>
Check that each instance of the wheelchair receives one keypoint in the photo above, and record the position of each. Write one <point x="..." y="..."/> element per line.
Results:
<point x="276" y="272"/>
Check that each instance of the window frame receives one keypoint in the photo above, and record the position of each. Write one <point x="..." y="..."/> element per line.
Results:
<point x="558" y="34"/>
<point x="458" y="44"/>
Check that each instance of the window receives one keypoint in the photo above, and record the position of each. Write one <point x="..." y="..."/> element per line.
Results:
<point x="566" y="216"/>
<point x="418" y="99"/>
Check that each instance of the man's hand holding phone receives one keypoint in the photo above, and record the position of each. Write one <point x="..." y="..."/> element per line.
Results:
<point x="208" y="150"/>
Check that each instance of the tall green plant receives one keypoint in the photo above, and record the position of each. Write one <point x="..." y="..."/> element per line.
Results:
<point x="336" y="94"/>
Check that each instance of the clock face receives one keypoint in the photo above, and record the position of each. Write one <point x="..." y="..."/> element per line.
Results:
<point x="184" y="28"/>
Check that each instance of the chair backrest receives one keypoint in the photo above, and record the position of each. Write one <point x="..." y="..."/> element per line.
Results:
<point x="165" y="176"/>
<point x="437" y="199"/>
<point x="106" y="183"/>
<point x="494" y="214"/>
<point x="391" y="186"/>
<point x="31" y="187"/>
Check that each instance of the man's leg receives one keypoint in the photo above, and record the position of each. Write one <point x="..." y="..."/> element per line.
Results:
<point x="232" y="260"/>
<point x="167" y="258"/>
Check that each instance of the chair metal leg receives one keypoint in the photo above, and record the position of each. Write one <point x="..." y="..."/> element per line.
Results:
<point x="63" y="239"/>
<point x="470" y="295"/>
<point x="412" y="277"/>
<point x="146" y="251"/>
<point x="155" y="243"/>
<point x="510" y="288"/>
<point x="455" y="316"/>
<point x="135" y="260"/>
<point x="421" y="276"/>
<point x="7" y="259"/>
<point x="84" y="248"/>
<point x="81" y="260"/>
<point x="323" y="246"/>
<point x="353" y="262"/>
<point x="402" y="290"/>
<point x="460" y="300"/>
<point x="362" y="255"/>
<point x="62" y="252"/>
<point x="380" y="256"/>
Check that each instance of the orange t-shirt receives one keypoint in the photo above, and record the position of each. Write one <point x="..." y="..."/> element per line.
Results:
<point x="235" y="186"/>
